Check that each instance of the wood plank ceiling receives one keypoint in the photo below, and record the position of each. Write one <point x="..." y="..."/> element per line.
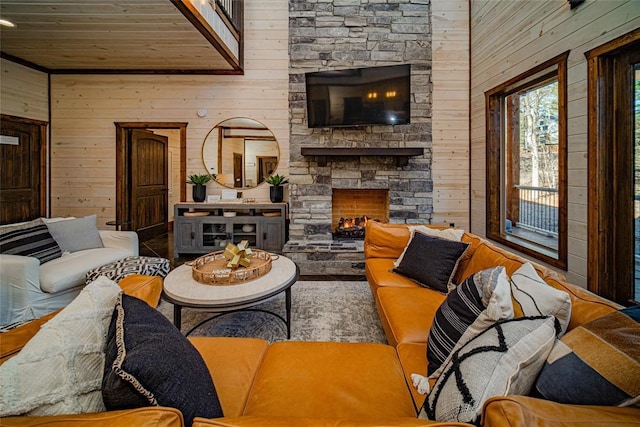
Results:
<point x="101" y="36"/>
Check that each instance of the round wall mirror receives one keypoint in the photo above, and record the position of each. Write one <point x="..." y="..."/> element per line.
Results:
<point x="241" y="152"/>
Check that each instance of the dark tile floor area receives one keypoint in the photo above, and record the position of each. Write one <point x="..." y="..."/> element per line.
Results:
<point x="162" y="246"/>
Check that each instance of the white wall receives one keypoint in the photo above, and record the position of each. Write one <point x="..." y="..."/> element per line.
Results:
<point x="511" y="37"/>
<point x="85" y="108"/>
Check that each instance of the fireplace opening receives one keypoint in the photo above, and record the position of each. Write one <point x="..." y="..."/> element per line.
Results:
<point x="352" y="208"/>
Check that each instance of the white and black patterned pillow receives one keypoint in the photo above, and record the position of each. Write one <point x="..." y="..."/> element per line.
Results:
<point x="504" y="359"/>
<point x="29" y="239"/>
<point x="484" y="295"/>
<point x="118" y="270"/>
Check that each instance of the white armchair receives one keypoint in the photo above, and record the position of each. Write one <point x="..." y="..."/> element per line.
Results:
<point x="29" y="290"/>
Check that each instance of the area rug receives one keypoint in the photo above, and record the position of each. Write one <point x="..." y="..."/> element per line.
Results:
<point x="342" y="311"/>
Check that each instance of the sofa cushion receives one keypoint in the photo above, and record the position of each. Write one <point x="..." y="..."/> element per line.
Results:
<point x="233" y="364"/>
<point x="70" y="270"/>
<point x="330" y="380"/>
<point x="407" y="314"/>
<point x="29" y="239"/>
<point x="503" y="359"/>
<point x="532" y="296"/>
<point x="597" y="363"/>
<point x="470" y="308"/>
<point x="431" y="261"/>
<point x="59" y="371"/>
<point x="487" y="255"/>
<point x="150" y="363"/>
<point x="76" y="234"/>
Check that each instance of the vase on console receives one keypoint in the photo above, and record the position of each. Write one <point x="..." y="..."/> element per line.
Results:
<point x="199" y="191"/>
<point x="276" y="191"/>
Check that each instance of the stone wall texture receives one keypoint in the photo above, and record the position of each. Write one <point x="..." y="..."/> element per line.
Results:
<point x="341" y="34"/>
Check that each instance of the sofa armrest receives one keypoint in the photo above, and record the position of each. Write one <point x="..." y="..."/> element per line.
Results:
<point x="515" y="411"/>
<point x="120" y="239"/>
<point x="19" y="285"/>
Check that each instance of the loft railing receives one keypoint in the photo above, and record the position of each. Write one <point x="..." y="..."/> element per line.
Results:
<point x="538" y="209"/>
<point x="233" y="11"/>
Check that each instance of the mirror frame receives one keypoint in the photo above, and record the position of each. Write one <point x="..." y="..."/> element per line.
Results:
<point x="216" y="128"/>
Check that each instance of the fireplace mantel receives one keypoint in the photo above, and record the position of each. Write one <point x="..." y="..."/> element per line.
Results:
<point x="401" y="154"/>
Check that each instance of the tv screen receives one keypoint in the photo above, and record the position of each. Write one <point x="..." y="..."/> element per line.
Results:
<point x="359" y="97"/>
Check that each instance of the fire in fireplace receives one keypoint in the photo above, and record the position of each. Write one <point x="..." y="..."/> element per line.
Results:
<point x="351" y="228"/>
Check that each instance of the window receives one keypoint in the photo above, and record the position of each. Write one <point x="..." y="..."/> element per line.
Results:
<point x="526" y="162"/>
<point x="614" y="169"/>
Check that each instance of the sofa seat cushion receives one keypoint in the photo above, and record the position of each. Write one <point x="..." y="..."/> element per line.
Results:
<point x="413" y="358"/>
<point x="407" y="313"/>
<point x="268" y="421"/>
<point x="141" y="417"/>
<point x="379" y="274"/>
<point x="69" y="271"/>
<point x="233" y="363"/>
<point x="528" y="411"/>
<point x="330" y="380"/>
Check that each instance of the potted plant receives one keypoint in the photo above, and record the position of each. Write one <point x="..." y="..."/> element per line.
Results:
<point x="199" y="182"/>
<point x="276" y="192"/>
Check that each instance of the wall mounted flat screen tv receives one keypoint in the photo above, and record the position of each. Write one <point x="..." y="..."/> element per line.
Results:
<point x="359" y="97"/>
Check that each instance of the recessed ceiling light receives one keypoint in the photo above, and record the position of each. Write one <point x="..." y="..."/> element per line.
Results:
<point x="6" y="23"/>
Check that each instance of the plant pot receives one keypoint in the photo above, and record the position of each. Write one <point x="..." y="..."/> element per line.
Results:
<point x="199" y="192"/>
<point x="276" y="193"/>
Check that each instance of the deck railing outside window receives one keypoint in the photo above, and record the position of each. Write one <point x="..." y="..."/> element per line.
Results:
<point x="538" y="209"/>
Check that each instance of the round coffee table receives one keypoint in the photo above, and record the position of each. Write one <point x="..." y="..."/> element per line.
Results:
<point x="182" y="290"/>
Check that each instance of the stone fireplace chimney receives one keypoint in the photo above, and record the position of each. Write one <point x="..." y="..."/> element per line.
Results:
<point x="341" y="35"/>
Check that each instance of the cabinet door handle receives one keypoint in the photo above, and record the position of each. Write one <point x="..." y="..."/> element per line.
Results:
<point x="264" y="236"/>
<point x="193" y="235"/>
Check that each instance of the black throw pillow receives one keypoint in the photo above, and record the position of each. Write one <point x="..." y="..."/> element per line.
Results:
<point x="150" y="363"/>
<point x="431" y="261"/>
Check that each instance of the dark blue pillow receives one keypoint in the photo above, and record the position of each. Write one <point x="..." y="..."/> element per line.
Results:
<point x="150" y="363"/>
<point x="431" y="261"/>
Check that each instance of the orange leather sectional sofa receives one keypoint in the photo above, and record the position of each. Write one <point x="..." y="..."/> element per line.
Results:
<point x="406" y="311"/>
<point x="346" y="384"/>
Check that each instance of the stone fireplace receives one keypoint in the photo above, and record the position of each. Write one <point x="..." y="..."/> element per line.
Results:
<point x="340" y="35"/>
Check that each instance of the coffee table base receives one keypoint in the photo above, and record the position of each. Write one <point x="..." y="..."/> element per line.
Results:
<point x="177" y="315"/>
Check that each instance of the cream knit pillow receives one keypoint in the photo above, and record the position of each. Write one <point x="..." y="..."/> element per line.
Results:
<point x="59" y="371"/>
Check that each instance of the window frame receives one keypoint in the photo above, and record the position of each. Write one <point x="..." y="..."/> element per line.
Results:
<point x="496" y="115"/>
<point x="610" y="251"/>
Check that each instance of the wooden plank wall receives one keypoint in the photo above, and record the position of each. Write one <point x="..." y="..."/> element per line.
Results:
<point x="450" y="168"/>
<point x="84" y="110"/>
<point x="24" y="91"/>
<point x="511" y="37"/>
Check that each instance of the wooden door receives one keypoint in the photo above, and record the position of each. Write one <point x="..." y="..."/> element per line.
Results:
<point x="149" y="183"/>
<point x="22" y="169"/>
<point x="238" y="170"/>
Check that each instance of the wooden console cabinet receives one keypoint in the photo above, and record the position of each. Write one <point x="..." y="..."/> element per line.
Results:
<point x="200" y="228"/>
